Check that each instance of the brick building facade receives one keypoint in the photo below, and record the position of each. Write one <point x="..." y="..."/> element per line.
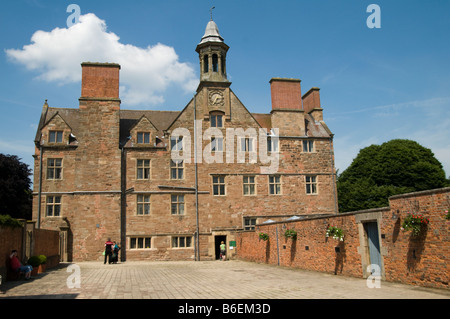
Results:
<point x="171" y="185"/>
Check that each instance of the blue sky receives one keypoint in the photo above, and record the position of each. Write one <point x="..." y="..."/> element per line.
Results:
<point x="376" y="84"/>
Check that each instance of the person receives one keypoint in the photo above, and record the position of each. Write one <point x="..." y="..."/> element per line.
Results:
<point x="222" y="251"/>
<point x="115" y="254"/>
<point x="17" y="266"/>
<point x="108" y="250"/>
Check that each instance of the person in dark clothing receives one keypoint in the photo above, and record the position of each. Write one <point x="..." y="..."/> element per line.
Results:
<point x="115" y="254"/>
<point x="108" y="250"/>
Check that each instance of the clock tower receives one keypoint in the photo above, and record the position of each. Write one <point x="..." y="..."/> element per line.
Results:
<point x="213" y="91"/>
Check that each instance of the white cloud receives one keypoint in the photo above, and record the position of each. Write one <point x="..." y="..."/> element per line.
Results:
<point x="146" y="72"/>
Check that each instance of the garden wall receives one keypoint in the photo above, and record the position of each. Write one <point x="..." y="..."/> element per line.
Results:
<point x="28" y="241"/>
<point x="419" y="260"/>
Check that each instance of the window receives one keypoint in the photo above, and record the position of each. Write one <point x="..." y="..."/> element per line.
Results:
<point x="311" y="184"/>
<point x="140" y="243"/>
<point x="143" y="138"/>
<point x="249" y="185"/>
<point x="247" y="144"/>
<point x="182" y="242"/>
<point x="143" y="205"/>
<point x="308" y="146"/>
<point x="205" y="64"/>
<point x="216" y="120"/>
<point x="55" y="137"/>
<point x="219" y="185"/>
<point x="143" y="169"/>
<point x="54" y="168"/>
<point x="53" y="206"/>
<point x="176" y="143"/>
<point x="177" y="202"/>
<point x="275" y="185"/>
<point x="216" y="144"/>
<point x="176" y="169"/>
<point x="249" y="223"/>
<point x="215" y="62"/>
<point x="272" y="144"/>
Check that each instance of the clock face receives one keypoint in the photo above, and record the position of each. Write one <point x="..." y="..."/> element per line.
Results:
<point x="216" y="98"/>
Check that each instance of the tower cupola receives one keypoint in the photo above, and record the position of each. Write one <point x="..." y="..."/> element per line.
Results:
<point x="212" y="52"/>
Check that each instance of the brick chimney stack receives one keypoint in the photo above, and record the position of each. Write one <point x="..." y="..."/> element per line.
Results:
<point x="287" y="110"/>
<point x="286" y="94"/>
<point x="311" y="103"/>
<point x="100" y="80"/>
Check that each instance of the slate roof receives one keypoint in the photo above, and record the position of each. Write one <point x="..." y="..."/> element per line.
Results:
<point x="161" y="120"/>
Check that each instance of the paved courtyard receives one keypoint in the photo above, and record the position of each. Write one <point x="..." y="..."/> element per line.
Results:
<point x="202" y="280"/>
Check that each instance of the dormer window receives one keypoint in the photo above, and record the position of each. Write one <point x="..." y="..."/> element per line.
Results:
<point x="143" y="138"/>
<point x="55" y="137"/>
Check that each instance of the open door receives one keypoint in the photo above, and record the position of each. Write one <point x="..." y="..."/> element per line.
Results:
<point x="217" y="242"/>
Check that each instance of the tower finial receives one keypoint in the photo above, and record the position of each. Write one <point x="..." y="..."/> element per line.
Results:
<point x="210" y="11"/>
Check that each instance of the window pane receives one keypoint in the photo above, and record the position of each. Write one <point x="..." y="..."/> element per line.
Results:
<point x="219" y="121"/>
<point x="188" y="241"/>
<point x="182" y="244"/>
<point x="132" y="243"/>
<point x="173" y="173"/>
<point x="148" y="243"/>
<point x="213" y="121"/>
<point x="140" y="243"/>
<point x="181" y="209"/>
<point x="50" y="173"/>
<point x="175" y="242"/>
<point x="57" y="173"/>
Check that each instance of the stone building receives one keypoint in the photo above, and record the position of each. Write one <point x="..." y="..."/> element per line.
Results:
<point x="172" y="185"/>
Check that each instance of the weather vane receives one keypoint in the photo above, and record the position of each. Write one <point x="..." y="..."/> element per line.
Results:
<point x="211" y="10"/>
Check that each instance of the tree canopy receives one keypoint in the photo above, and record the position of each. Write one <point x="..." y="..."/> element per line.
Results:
<point x="15" y="183"/>
<point x="380" y="171"/>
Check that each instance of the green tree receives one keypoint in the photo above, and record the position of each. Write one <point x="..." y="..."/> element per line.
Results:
<point x="15" y="183"/>
<point x="380" y="171"/>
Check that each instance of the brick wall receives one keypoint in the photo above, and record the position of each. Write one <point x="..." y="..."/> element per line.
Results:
<point x="422" y="260"/>
<point x="41" y="242"/>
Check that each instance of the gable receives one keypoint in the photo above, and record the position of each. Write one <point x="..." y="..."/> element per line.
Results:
<point x="56" y="132"/>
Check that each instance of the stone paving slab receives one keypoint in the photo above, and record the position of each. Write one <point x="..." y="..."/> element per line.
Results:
<point x="202" y="280"/>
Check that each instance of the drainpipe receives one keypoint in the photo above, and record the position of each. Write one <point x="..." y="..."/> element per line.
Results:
<point x="41" y="155"/>
<point x="197" y="234"/>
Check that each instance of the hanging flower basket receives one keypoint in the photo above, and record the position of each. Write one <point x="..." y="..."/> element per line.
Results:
<point x="335" y="232"/>
<point x="415" y="223"/>
<point x="290" y="233"/>
<point x="263" y="236"/>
